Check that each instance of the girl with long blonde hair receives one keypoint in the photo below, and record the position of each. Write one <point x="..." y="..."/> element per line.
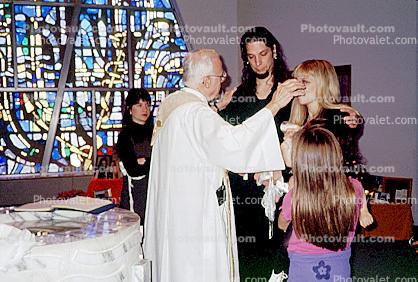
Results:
<point x="324" y="207"/>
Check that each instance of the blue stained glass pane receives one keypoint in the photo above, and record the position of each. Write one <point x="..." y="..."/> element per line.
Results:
<point x="166" y="3"/>
<point x="156" y="45"/>
<point x="169" y="16"/>
<point x="28" y="10"/>
<point x="89" y="62"/>
<point x="148" y="65"/>
<point x="148" y="81"/>
<point x="158" y="4"/>
<point x="179" y="41"/>
<point x="45" y="10"/>
<point x="19" y="169"/>
<point x="55" y="154"/>
<point x="25" y="125"/>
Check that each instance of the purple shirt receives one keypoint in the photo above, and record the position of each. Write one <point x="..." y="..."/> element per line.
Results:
<point x="300" y="246"/>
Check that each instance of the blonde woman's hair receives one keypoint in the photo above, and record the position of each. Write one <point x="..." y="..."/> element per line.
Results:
<point x="328" y="89"/>
<point x="323" y="199"/>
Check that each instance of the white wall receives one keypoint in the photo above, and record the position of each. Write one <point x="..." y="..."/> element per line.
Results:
<point x="212" y="24"/>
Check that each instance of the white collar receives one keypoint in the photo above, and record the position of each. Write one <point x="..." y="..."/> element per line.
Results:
<point x="196" y="93"/>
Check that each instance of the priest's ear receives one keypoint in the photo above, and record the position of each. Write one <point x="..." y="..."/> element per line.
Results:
<point x="206" y="81"/>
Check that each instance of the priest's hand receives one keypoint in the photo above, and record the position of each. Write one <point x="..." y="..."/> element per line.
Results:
<point x="284" y="94"/>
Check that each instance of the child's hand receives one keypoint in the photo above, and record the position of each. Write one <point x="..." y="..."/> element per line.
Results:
<point x="365" y="218"/>
<point x="286" y="148"/>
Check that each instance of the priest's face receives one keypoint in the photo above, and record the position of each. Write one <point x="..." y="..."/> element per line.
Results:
<point x="260" y="57"/>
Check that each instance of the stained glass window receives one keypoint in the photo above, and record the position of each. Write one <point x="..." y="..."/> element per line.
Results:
<point x="101" y="49"/>
<point x="73" y="147"/>
<point x="57" y="118"/>
<point x="108" y="119"/>
<point x="134" y="3"/>
<point x="24" y="125"/>
<point x="41" y="35"/>
<point x="156" y="34"/>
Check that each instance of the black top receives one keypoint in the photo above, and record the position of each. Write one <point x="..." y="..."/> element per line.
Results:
<point x="332" y="119"/>
<point x="245" y="104"/>
<point x="249" y="214"/>
<point x="134" y="142"/>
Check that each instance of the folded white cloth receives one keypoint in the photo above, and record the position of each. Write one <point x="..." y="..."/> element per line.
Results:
<point x="271" y="193"/>
<point x="277" y="277"/>
<point x="14" y="245"/>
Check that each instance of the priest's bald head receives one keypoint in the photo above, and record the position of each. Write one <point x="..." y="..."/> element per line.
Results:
<point x="203" y="71"/>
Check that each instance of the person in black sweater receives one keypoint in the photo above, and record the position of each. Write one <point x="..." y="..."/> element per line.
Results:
<point x="134" y="149"/>
<point x="264" y="72"/>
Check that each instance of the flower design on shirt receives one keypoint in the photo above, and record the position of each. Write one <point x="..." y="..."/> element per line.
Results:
<point x="322" y="271"/>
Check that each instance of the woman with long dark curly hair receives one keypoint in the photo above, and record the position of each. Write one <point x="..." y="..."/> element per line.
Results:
<point x="264" y="73"/>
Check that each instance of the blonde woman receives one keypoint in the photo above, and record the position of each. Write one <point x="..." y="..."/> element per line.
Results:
<point x="319" y="103"/>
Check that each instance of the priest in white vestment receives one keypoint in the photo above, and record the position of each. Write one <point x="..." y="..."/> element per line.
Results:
<point x="189" y="223"/>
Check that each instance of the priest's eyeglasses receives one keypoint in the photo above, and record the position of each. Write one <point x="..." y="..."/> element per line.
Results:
<point x="223" y="76"/>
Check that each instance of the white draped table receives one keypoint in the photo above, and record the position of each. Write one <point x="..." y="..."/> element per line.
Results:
<point x="69" y="246"/>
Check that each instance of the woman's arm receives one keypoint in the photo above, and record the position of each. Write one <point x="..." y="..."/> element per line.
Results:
<point x="285" y="216"/>
<point x="283" y="223"/>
